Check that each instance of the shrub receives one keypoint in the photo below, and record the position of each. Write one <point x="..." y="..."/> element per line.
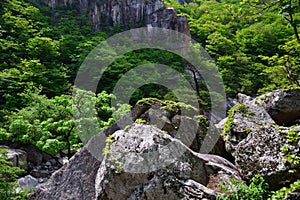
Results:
<point x="257" y="189"/>
<point x="9" y="189"/>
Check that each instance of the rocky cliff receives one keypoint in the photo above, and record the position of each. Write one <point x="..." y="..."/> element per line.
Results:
<point x="126" y="14"/>
<point x="146" y="161"/>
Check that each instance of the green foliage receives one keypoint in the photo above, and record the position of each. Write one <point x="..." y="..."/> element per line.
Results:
<point x="138" y="120"/>
<point x="46" y="123"/>
<point x="257" y="189"/>
<point x="291" y="157"/>
<point x="239" y="108"/>
<point x="93" y="112"/>
<point x="130" y="60"/>
<point x="49" y="124"/>
<point x="119" y="168"/>
<point x="8" y="176"/>
<point x="283" y="192"/>
<point x="30" y="57"/>
<point x="109" y="140"/>
<point x="241" y="39"/>
<point x="283" y="71"/>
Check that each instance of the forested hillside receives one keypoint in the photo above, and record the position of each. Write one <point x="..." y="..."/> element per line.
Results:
<point x="255" y="45"/>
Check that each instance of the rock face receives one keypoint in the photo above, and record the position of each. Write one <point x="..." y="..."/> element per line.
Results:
<point x="127" y="13"/>
<point x="75" y="180"/>
<point x="260" y="153"/>
<point x="283" y="106"/>
<point x="17" y="157"/>
<point x="258" y="144"/>
<point x="145" y="163"/>
<point x="28" y="181"/>
<point x="142" y="163"/>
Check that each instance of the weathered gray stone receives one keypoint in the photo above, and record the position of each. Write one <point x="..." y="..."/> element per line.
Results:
<point x="35" y="156"/>
<point x="242" y="98"/>
<point x="260" y="154"/>
<point x="293" y="196"/>
<point x="145" y="163"/>
<point x="283" y="106"/>
<point x="74" y="180"/>
<point x="28" y="181"/>
<point x="126" y="174"/>
<point x="127" y="14"/>
<point x="245" y="118"/>
<point x="256" y="141"/>
<point x="17" y="157"/>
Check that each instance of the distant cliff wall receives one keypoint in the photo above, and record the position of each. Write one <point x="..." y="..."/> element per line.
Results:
<point x="127" y="13"/>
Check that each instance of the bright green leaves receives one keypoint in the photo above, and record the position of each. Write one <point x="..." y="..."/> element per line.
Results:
<point x="8" y="176"/>
<point x="30" y="58"/>
<point x="283" y="70"/>
<point x="218" y="45"/>
<point x="49" y="124"/>
<point x="257" y="189"/>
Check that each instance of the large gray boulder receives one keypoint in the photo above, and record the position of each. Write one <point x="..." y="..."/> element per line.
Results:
<point x="75" y="180"/>
<point x="17" y="157"/>
<point x="283" y="106"/>
<point x="261" y="146"/>
<point x="146" y="163"/>
<point x="242" y="119"/>
<point x="193" y="131"/>
<point x="260" y="153"/>
<point x="140" y="162"/>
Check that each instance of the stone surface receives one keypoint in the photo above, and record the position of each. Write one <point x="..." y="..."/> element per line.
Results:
<point x="74" y="180"/>
<point x="17" y="157"/>
<point x="192" y="132"/>
<point x="256" y="141"/>
<point x="28" y="181"/>
<point x="244" y="118"/>
<point x="145" y="163"/>
<point x="127" y="13"/>
<point x="293" y="196"/>
<point x="125" y="174"/>
<point x="260" y="153"/>
<point x="35" y="156"/>
<point x="283" y="106"/>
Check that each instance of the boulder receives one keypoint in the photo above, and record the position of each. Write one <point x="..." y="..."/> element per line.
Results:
<point x="260" y="154"/>
<point x="141" y="162"/>
<point x="17" y="157"/>
<point x="169" y="118"/>
<point x="35" y="156"/>
<point x="283" y="106"/>
<point x="242" y="119"/>
<point x="146" y="163"/>
<point x="258" y="144"/>
<point x="75" y="180"/>
<point x="28" y="181"/>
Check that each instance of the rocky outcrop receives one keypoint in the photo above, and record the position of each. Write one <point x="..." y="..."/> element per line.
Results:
<point x="169" y="118"/>
<point x="38" y="166"/>
<point x="17" y="157"/>
<point x="261" y="153"/>
<point x="258" y="144"/>
<point x="75" y="180"/>
<point x="283" y="106"/>
<point x="126" y="14"/>
<point x="28" y="181"/>
<point x="143" y="162"/>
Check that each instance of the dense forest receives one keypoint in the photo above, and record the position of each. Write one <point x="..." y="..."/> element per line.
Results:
<point x="255" y="45"/>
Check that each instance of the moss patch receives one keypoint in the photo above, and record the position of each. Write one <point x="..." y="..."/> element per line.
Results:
<point x="240" y="108"/>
